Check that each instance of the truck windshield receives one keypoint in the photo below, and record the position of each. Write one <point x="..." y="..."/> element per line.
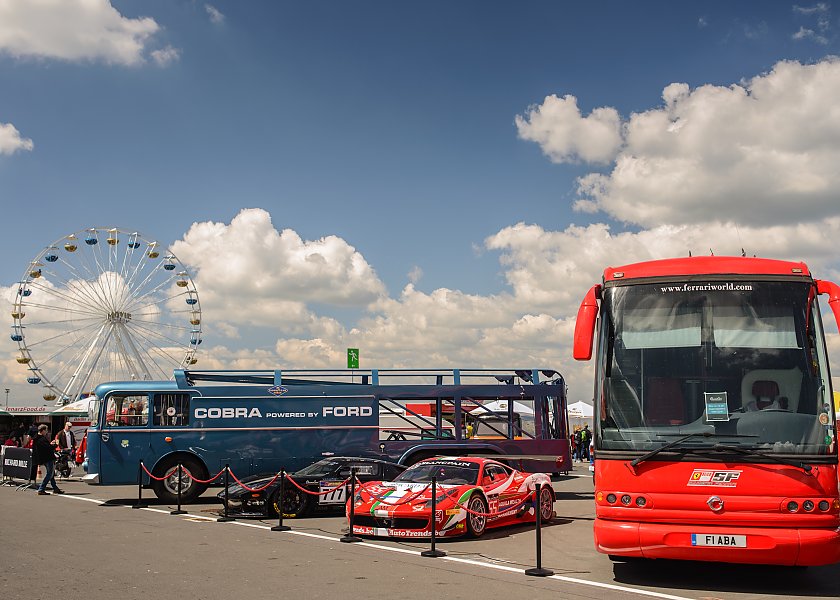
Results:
<point x="740" y="359"/>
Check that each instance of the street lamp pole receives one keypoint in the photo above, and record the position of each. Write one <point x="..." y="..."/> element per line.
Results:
<point x="7" y="397"/>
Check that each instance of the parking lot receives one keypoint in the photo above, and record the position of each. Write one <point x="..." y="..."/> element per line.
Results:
<point x="91" y="544"/>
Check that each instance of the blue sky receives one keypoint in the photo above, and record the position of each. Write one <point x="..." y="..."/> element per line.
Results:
<point x="393" y="127"/>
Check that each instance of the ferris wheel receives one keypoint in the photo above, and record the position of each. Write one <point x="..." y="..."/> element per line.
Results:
<point x="104" y="305"/>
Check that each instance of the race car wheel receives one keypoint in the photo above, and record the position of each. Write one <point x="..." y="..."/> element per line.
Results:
<point x="167" y="490"/>
<point x="477" y="523"/>
<point x="546" y="505"/>
<point x="295" y="502"/>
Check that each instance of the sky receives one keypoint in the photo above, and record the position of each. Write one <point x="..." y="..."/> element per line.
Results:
<point x="437" y="184"/>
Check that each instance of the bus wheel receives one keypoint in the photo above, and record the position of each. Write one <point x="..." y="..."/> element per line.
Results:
<point x="477" y="524"/>
<point x="167" y="490"/>
<point x="295" y="502"/>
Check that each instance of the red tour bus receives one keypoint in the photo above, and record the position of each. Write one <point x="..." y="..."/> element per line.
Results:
<point x="714" y="423"/>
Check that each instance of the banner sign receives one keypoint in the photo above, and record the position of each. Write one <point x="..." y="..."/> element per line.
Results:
<point x="17" y="463"/>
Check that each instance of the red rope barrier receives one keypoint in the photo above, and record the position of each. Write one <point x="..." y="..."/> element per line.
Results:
<point x="324" y="493"/>
<point x="250" y="489"/>
<point x="170" y="474"/>
<point x="186" y="472"/>
<point x="197" y="480"/>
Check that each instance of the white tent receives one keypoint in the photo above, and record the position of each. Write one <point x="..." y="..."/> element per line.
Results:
<point x="78" y="408"/>
<point x="580" y="410"/>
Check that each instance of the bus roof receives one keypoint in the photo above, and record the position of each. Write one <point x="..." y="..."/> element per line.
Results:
<point x="706" y="265"/>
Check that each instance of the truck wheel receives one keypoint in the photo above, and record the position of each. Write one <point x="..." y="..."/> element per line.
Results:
<point x="167" y="490"/>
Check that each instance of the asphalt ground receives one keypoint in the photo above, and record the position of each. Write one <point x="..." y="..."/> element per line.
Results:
<point x="90" y="544"/>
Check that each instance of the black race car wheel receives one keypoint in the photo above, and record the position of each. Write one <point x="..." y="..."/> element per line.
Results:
<point x="546" y="505"/>
<point x="476" y="524"/>
<point x="295" y="502"/>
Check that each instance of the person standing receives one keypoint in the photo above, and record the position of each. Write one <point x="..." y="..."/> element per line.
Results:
<point x="67" y="439"/>
<point x="43" y="453"/>
<point x="585" y="438"/>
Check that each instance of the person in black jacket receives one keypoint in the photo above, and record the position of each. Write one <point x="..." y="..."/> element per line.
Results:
<point x="43" y="453"/>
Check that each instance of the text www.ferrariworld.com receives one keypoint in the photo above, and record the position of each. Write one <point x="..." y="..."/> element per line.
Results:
<point x="708" y="287"/>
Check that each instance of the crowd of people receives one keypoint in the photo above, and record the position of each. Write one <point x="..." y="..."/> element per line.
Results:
<point x="580" y="439"/>
<point x="44" y="448"/>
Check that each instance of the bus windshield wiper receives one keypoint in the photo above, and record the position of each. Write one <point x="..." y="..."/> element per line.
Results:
<point x="756" y="452"/>
<point x="668" y="446"/>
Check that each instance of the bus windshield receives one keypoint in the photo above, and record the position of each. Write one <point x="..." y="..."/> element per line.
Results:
<point x="743" y="361"/>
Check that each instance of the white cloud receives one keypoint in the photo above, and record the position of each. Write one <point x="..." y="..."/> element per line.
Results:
<point x="10" y="140"/>
<point x="809" y="34"/>
<point x="566" y="136"/>
<point x="762" y="152"/>
<point x="165" y="56"/>
<point x="247" y="272"/>
<point x="820" y="7"/>
<point x="415" y="275"/>
<point x="215" y="15"/>
<point x="73" y="30"/>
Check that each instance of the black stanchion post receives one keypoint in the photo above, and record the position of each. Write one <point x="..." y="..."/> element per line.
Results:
<point x="280" y="494"/>
<point x="226" y="517"/>
<point x="433" y="552"/>
<point x="179" y="511"/>
<point x="349" y="537"/>
<point x="140" y="503"/>
<point x="539" y="571"/>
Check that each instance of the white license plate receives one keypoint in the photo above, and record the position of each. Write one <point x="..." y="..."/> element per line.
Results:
<point x="718" y="539"/>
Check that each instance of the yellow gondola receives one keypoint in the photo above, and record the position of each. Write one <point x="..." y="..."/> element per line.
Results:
<point x="24" y="360"/>
<point x="181" y="283"/>
<point x="18" y="315"/>
<point x="49" y="397"/>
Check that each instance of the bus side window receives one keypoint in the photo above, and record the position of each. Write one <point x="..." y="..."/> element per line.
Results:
<point x="172" y="410"/>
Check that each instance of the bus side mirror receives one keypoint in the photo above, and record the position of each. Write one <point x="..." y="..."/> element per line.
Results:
<point x="833" y="291"/>
<point x="585" y="324"/>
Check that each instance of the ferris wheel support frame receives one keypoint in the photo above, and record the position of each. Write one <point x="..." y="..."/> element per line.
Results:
<point x="65" y="394"/>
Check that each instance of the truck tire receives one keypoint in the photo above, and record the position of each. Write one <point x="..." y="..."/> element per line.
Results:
<point x="167" y="490"/>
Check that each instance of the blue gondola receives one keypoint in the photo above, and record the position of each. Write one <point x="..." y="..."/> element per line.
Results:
<point x="195" y="342"/>
<point x="169" y="266"/>
<point x="33" y="380"/>
<point x="91" y="241"/>
<point x="16" y="337"/>
<point x="51" y="257"/>
<point x="192" y="301"/>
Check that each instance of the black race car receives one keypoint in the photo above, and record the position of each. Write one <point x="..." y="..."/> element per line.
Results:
<point x="322" y="477"/>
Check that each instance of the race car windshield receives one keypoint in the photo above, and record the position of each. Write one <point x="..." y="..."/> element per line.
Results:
<point x="460" y="473"/>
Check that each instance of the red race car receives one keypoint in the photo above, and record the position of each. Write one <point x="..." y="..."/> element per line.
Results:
<point x="473" y="494"/>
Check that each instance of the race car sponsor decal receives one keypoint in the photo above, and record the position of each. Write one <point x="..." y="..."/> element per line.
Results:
<point x="709" y="478"/>
<point x="277" y="390"/>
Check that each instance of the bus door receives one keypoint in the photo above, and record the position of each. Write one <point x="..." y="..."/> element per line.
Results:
<point x="124" y="438"/>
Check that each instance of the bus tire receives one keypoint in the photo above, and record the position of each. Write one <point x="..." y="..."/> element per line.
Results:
<point x="476" y="525"/>
<point x="167" y="490"/>
<point x="295" y="502"/>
